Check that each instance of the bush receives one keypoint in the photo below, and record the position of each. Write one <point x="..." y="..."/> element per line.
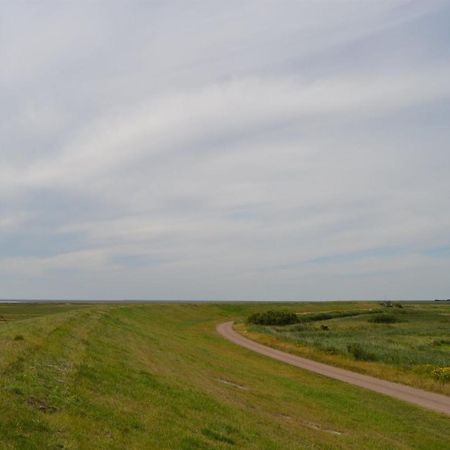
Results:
<point x="384" y="318"/>
<point x="437" y="342"/>
<point x="18" y="337"/>
<point x="273" y="318"/>
<point x="442" y="374"/>
<point x="438" y="373"/>
<point x="331" y="350"/>
<point x="298" y="328"/>
<point x="314" y="317"/>
<point x="360" y="353"/>
<point x="321" y="316"/>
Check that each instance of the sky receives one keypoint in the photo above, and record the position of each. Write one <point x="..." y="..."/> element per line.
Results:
<point x="251" y="149"/>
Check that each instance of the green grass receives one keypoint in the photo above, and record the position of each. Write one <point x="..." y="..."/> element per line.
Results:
<point x="405" y="344"/>
<point x="159" y="377"/>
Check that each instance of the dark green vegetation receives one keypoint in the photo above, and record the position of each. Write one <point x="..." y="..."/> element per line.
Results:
<point x="385" y="318"/>
<point x="315" y="317"/>
<point x="409" y="342"/>
<point x="273" y="318"/>
<point x="159" y="377"/>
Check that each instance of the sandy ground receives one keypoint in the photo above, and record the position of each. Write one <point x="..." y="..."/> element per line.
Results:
<point x="436" y="402"/>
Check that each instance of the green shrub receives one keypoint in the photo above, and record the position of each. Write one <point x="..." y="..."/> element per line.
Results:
<point x="331" y="350"/>
<point x="360" y="353"/>
<point x="18" y="337"/>
<point x="273" y="318"/>
<point x="442" y="374"/>
<point x="439" y="373"/>
<point x="384" y="318"/>
<point x="332" y="315"/>
<point x="437" y="342"/>
<point x="299" y="328"/>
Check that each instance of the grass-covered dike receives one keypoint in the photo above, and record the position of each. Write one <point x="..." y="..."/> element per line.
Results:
<point x="158" y="376"/>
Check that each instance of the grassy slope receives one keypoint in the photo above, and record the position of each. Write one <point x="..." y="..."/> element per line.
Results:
<point x="158" y="376"/>
<point x="405" y="352"/>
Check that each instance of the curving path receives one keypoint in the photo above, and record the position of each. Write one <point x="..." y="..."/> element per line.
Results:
<point x="436" y="402"/>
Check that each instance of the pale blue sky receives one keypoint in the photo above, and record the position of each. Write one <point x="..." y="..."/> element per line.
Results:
<point x="225" y="149"/>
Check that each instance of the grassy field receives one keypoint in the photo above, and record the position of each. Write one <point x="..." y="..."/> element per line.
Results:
<point x="406" y="342"/>
<point x="115" y="376"/>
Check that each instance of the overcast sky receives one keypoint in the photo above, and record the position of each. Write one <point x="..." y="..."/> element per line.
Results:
<point x="225" y="149"/>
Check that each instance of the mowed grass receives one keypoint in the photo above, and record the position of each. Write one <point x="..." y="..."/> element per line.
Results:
<point x="149" y="376"/>
<point x="408" y="347"/>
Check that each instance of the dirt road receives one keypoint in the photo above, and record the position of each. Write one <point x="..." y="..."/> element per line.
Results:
<point x="436" y="402"/>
